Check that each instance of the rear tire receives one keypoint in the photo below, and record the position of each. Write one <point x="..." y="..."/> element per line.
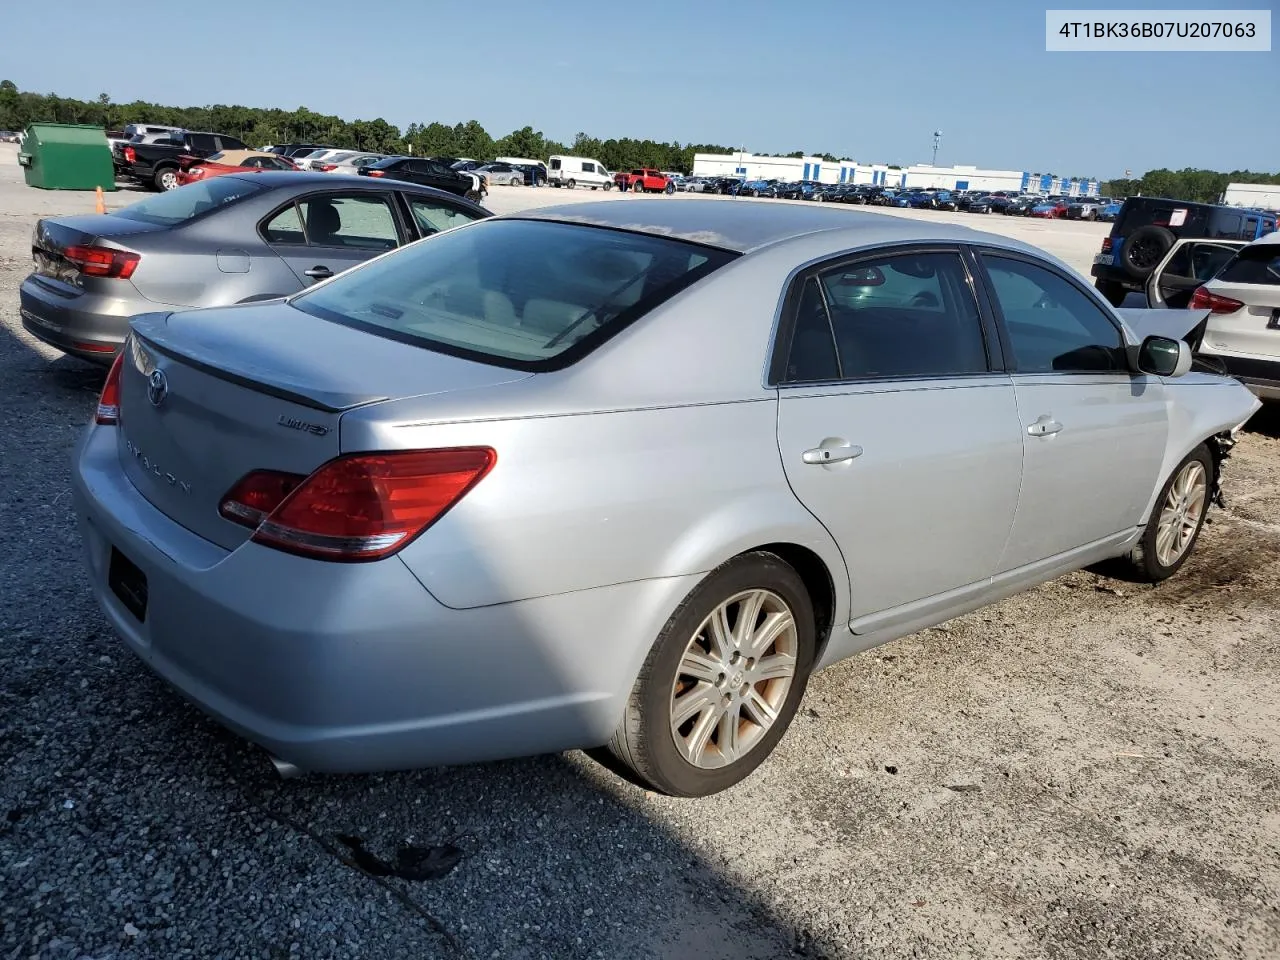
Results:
<point x="572" y="184"/>
<point x="717" y="692"/>
<point x="1176" y="520"/>
<point x="167" y="179"/>
<point x="639" y="186"/>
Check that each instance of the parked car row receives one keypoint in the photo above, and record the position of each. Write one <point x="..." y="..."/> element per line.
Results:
<point x="1000" y="201"/>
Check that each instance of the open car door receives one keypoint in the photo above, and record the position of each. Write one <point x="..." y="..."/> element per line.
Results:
<point x="1187" y="265"/>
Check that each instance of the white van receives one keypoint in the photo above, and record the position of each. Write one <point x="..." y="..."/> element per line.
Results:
<point x="573" y="171"/>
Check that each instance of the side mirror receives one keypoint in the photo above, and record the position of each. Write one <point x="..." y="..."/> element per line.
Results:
<point x="1164" y="357"/>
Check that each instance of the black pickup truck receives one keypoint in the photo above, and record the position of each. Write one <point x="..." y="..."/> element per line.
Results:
<point x="156" y="164"/>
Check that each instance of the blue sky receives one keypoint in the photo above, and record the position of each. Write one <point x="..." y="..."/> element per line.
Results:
<point x="818" y="76"/>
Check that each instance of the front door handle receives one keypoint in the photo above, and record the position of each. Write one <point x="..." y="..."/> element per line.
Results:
<point x="832" y="450"/>
<point x="318" y="272"/>
<point x="1044" y="426"/>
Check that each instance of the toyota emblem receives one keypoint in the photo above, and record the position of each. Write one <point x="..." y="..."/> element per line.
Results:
<point x="157" y="387"/>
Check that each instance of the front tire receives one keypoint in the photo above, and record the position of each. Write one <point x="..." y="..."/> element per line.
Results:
<point x="722" y="681"/>
<point x="572" y="184"/>
<point x="1176" y="519"/>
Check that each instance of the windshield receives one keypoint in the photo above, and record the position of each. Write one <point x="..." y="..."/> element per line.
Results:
<point x="177" y="206"/>
<point x="517" y="293"/>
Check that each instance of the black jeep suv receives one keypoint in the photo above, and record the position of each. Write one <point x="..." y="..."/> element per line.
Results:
<point x="1146" y="228"/>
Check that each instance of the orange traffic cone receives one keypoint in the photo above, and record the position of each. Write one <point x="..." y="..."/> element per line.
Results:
<point x="102" y="203"/>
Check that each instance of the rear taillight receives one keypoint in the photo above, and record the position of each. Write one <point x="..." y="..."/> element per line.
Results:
<point x="358" y="507"/>
<point x="257" y="494"/>
<point x="1106" y="244"/>
<point x="103" y="262"/>
<point x="1202" y="299"/>
<point x="375" y="173"/>
<point x="109" y="401"/>
<point x="130" y="155"/>
<point x="326" y="167"/>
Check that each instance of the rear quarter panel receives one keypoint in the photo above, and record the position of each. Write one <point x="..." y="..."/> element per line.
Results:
<point x="582" y="501"/>
<point x="211" y="264"/>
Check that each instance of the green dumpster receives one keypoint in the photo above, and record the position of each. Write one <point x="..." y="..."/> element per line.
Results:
<point x="67" y="156"/>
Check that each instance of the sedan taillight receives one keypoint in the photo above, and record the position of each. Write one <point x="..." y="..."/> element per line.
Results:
<point x="358" y="507"/>
<point x="103" y="261"/>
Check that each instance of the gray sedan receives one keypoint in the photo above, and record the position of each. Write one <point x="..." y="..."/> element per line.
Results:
<point x="224" y="240"/>
<point x="623" y="474"/>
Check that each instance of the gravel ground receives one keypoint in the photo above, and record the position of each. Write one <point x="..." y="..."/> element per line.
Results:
<point x="1086" y="770"/>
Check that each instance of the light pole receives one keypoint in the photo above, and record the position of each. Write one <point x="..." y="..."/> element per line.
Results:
<point x="937" y="139"/>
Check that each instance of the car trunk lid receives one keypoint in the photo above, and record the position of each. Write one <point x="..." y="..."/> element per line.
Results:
<point x="207" y="396"/>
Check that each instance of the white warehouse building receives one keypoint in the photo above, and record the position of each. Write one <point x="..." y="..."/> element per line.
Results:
<point x="753" y="167"/>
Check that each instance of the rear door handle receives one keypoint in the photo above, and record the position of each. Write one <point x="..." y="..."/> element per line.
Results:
<point x="1044" y="426"/>
<point x="832" y="450"/>
<point x="318" y="272"/>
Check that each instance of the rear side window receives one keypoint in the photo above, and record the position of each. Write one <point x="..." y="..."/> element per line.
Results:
<point x="193" y="200"/>
<point x="908" y="315"/>
<point x="1258" y="264"/>
<point x="528" y="294"/>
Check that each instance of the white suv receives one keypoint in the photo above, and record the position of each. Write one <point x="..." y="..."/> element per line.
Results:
<point x="1243" y="330"/>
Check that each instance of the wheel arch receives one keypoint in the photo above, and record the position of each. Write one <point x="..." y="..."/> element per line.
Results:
<point x="1211" y="419"/>
<point x="819" y="583"/>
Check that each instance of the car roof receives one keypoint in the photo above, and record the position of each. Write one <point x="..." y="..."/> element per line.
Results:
<point x="232" y="157"/>
<point x="306" y="180"/>
<point x="1268" y="239"/>
<point x="743" y="226"/>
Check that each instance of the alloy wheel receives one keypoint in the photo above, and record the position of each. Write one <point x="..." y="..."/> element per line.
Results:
<point x="733" y="678"/>
<point x="1181" y="514"/>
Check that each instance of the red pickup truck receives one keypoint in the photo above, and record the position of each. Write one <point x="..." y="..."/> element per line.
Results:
<point x="645" y="180"/>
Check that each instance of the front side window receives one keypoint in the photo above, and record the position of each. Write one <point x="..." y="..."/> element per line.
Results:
<point x="906" y="315"/>
<point x="517" y="293"/>
<point x="432" y="216"/>
<point x="1198" y="261"/>
<point x="1053" y="326"/>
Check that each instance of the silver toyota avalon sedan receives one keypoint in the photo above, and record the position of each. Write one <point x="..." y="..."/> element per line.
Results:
<point x="623" y="474"/>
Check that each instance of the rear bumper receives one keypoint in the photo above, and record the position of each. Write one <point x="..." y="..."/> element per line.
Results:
<point x="87" y="325"/>
<point x="356" y="667"/>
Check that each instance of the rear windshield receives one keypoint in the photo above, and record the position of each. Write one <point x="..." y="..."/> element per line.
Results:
<point x="1254" y="264"/>
<point x="528" y="294"/>
<point x="177" y="206"/>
